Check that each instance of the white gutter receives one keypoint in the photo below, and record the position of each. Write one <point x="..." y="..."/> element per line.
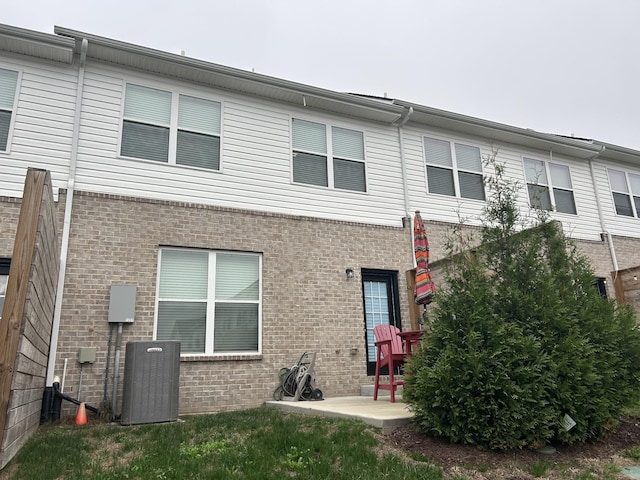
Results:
<point x="454" y="121"/>
<point x="405" y="181"/>
<point x="235" y="74"/>
<point x="603" y="225"/>
<point x="66" y="226"/>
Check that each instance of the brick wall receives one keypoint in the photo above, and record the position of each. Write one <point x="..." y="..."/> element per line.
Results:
<point x="308" y="303"/>
<point x="115" y="240"/>
<point x="9" y="212"/>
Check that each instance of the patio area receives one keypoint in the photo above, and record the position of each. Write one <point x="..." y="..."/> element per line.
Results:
<point x="379" y="413"/>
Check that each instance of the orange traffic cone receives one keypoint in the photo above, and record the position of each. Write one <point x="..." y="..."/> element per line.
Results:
<point x="81" y="416"/>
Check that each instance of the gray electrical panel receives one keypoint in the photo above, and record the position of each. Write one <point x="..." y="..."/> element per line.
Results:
<point x="122" y="303"/>
<point x="151" y="382"/>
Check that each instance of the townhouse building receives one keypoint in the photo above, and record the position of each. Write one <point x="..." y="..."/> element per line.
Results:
<point x="260" y="218"/>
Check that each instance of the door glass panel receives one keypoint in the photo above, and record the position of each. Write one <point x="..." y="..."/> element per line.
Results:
<point x="376" y="303"/>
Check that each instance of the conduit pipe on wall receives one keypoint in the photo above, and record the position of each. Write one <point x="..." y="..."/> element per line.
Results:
<point x="66" y="226"/>
<point x="603" y="224"/>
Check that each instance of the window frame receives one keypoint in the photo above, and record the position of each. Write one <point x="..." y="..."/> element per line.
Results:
<point x="550" y="184"/>
<point x="211" y="301"/>
<point x="14" y="107"/>
<point x="630" y="194"/>
<point x="173" y="125"/>
<point x="330" y="156"/>
<point x="455" y="170"/>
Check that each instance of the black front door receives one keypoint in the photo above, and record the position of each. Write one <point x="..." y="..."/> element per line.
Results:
<point x="381" y="306"/>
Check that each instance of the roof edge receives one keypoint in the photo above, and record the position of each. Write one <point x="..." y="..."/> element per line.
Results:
<point x="34" y="36"/>
<point x="589" y="145"/>
<point x="275" y="82"/>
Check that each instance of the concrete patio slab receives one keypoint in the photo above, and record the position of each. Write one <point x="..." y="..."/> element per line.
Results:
<point x="631" y="472"/>
<point x="379" y="413"/>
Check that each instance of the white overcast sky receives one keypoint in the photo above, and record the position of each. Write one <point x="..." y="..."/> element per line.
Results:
<point x="570" y="67"/>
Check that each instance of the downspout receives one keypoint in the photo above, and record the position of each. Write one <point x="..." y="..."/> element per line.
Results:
<point x="603" y="225"/>
<point x="405" y="182"/>
<point x="66" y="226"/>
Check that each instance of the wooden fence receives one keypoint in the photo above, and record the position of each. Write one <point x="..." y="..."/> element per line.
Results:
<point x="25" y="328"/>
<point x="627" y="286"/>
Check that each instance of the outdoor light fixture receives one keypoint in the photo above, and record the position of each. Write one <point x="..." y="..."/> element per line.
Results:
<point x="635" y="278"/>
<point x="349" y="272"/>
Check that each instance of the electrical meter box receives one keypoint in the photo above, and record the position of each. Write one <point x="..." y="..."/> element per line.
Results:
<point x="122" y="303"/>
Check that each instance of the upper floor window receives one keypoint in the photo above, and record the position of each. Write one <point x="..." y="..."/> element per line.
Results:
<point x="454" y="169"/>
<point x="210" y="301"/>
<point x="328" y="156"/>
<point x="625" y="188"/>
<point x="549" y="185"/>
<point x="171" y="127"/>
<point x="8" y="84"/>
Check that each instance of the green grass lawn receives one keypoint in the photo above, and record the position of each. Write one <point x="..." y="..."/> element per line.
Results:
<point x="261" y="443"/>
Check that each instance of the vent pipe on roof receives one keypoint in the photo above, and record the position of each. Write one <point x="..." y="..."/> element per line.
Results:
<point x="66" y="226"/>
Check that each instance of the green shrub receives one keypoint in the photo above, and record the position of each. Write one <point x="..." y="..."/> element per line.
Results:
<point x="520" y="338"/>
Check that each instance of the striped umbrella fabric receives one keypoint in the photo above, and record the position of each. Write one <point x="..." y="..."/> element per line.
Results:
<point x="425" y="288"/>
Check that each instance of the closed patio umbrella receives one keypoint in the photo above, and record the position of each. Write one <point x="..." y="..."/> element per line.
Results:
<point x="425" y="288"/>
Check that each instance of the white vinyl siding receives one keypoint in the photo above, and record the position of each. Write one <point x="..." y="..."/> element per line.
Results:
<point x="453" y="169"/>
<point x="256" y="157"/>
<point x="209" y="301"/>
<point x="549" y="186"/>
<point x="625" y="188"/>
<point x="8" y="85"/>
<point x="152" y="130"/>
<point x="344" y="169"/>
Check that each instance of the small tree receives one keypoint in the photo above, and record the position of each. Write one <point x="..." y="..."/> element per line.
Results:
<point x="521" y="340"/>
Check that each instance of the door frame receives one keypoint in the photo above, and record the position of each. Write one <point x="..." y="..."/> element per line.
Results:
<point x="390" y="277"/>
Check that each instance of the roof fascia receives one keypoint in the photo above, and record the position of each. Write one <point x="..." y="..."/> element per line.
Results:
<point x="36" y="44"/>
<point x="622" y="154"/>
<point x="583" y="149"/>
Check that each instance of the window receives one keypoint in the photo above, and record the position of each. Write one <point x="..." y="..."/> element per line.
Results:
<point x="625" y="188"/>
<point x="209" y="301"/>
<point x="8" y="84"/>
<point x="453" y="169"/>
<point x="344" y="169"/>
<point x="549" y="185"/>
<point x="5" y="263"/>
<point x="172" y="128"/>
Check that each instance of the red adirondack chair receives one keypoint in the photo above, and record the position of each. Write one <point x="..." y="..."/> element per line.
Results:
<point x="390" y="352"/>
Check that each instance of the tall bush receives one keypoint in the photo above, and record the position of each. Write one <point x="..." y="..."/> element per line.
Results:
<point x="520" y="340"/>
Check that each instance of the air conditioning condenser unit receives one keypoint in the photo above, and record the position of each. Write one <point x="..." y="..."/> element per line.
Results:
<point x="151" y="382"/>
